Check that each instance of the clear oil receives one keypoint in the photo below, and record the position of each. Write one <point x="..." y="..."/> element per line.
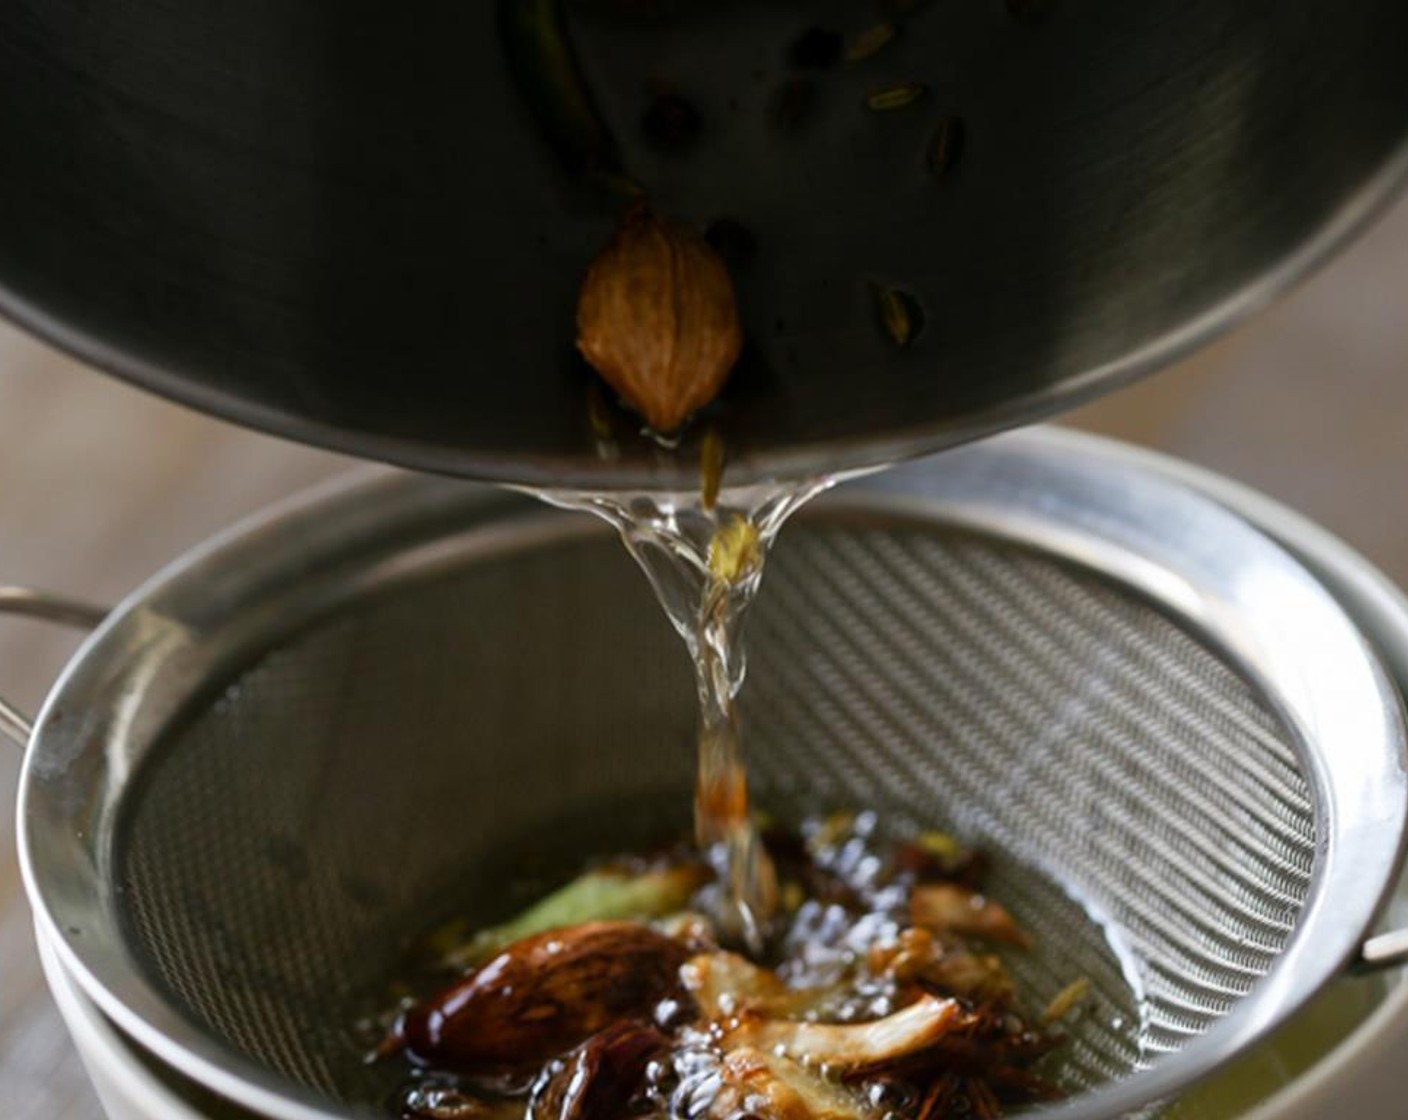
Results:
<point x="704" y="556"/>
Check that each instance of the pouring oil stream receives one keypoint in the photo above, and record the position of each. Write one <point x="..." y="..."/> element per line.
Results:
<point x="657" y="318"/>
<point x="705" y="561"/>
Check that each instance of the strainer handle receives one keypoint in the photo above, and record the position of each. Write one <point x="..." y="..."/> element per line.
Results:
<point x="1387" y="950"/>
<point x="14" y="724"/>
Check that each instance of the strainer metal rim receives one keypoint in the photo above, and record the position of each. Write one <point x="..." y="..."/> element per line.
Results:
<point x="1062" y="480"/>
<point x="1380" y="608"/>
<point x="1081" y="502"/>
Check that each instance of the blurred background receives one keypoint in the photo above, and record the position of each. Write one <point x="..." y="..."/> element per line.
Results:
<point x="101" y="484"/>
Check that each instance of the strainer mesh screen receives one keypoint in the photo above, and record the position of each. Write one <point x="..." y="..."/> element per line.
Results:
<point x="434" y="743"/>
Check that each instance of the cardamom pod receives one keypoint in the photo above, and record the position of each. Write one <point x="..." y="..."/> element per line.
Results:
<point x="658" y="319"/>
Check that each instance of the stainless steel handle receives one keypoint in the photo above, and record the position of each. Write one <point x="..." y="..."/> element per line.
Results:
<point x="1387" y="950"/>
<point x="60" y="609"/>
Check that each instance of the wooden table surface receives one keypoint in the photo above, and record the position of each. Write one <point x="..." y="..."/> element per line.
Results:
<point x="101" y="484"/>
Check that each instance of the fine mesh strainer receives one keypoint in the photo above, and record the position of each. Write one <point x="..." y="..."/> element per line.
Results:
<point x="376" y="707"/>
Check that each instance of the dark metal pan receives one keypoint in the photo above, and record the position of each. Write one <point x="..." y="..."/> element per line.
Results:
<point x="362" y="225"/>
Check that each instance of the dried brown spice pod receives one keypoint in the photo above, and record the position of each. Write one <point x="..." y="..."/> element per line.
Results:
<point x="658" y="319"/>
<point x="847" y="1046"/>
<point x="541" y="996"/>
<point x="936" y="856"/>
<point x="950" y="908"/>
<point x="597" y="1080"/>
<point x="754" y="1083"/>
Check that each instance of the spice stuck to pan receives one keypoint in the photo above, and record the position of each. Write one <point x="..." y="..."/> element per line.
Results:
<point x="901" y="95"/>
<point x="900" y="314"/>
<point x="658" y="319"/>
<point x="871" y="42"/>
<point x="711" y="467"/>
